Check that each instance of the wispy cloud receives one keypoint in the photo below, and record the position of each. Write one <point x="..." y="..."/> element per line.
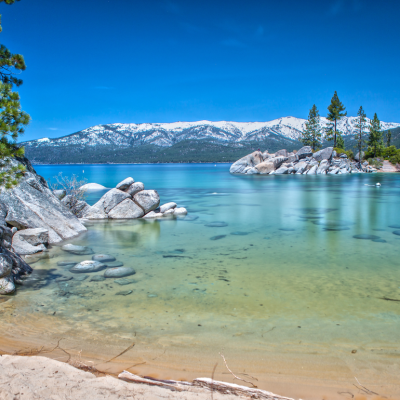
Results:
<point x="52" y="129"/>
<point x="232" y="43"/>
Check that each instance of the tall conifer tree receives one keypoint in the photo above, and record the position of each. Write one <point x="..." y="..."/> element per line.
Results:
<point x="312" y="132"/>
<point x="375" y="135"/>
<point x="388" y="138"/>
<point x="335" y="113"/>
<point x="12" y="118"/>
<point x="361" y="125"/>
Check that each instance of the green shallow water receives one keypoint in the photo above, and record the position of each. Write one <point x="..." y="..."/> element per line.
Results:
<point x="283" y="273"/>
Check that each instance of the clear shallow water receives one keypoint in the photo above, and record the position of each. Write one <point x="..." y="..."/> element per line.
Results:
<point x="265" y="267"/>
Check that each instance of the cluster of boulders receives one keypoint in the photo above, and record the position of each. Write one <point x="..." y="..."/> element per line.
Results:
<point x="128" y="200"/>
<point x="303" y="161"/>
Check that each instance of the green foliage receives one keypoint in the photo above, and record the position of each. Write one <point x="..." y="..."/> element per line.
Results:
<point x="312" y="133"/>
<point x="375" y="141"/>
<point x="388" y="138"/>
<point x="375" y="162"/>
<point x="361" y="125"/>
<point x="340" y="151"/>
<point x="339" y="140"/>
<point x="335" y="113"/>
<point x="12" y="118"/>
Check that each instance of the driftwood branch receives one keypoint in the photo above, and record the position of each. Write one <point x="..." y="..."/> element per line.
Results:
<point x="236" y="377"/>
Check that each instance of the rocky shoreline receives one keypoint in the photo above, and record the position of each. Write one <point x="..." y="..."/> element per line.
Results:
<point x="33" y="217"/>
<point x="301" y="162"/>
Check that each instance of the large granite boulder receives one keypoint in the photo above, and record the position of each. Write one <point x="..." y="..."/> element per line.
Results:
<point x="357" y="156"/>
<point x="282" y="170"/>
<point x="167" y="206"/>
<point x="148" y="200"/>
<point x="304" y="152"/>
<point x="324" y="154"/>
<point x="251" y="160"/>
<point x="125" y="183"/>
<point x="135" y="188"/>
<point x="127" y="209"/>
<point x="32" y="204"/>
<point x="282" y="152"/>
<point x="265" y="167"/>
<point x="76" y="206"/>
<point x="30" y="241"/>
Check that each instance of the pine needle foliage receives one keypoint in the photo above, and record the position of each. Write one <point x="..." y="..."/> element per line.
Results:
<point x="361" y="126"/>
<point x="311" y="136"/>
<point x="388" y="138"/>
<point x="336" y="112"/>
<point x="375" y="138"/>
<point x="12" y="118"/>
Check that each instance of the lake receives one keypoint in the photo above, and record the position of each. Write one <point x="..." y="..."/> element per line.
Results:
<point x="295" y="279"/>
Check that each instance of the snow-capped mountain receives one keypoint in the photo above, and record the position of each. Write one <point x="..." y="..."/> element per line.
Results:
<point x="168" y="134"/>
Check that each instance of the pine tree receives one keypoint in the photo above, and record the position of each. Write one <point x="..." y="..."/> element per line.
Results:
<point x="339" y="140"/>
<point x="12" y="118"/>
<point x="335" y="109"/>
<point x="375" y="135"/>
<point x="388" y="138"/>
<point x="312" y="133"/>
<point x="360" y="126"/>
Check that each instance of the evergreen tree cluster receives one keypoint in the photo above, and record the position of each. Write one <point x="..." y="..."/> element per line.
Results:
<point x="312" y="134"/>
<point x="12" y="118"/>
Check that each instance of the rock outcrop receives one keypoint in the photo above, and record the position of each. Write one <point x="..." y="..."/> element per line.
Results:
<point x="32" y="205"/>
<point x="302" y="162"/>
<point x="129" y="200"/>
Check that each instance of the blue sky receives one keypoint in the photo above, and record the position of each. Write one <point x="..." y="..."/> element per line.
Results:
<point x="103" y="61"/>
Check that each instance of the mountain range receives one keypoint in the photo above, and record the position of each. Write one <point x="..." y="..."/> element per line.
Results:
<point x="178" y="141"/>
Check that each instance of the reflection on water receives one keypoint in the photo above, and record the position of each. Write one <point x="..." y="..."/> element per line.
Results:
<point x="286" y="266"/>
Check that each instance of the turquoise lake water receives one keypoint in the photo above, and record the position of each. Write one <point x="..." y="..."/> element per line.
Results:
<point x="261" y="265"/>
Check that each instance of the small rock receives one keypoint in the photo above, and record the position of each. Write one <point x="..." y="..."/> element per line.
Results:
<point x="152" y="295"/>
<point x="396" y="232"/>
<point x="88" y="266"/>
<point x="119" y="272"/>
<point x="238" y="233"/>
<point x="125" y="184"/>
<point x="366" y="237"/>
<point x="124" y="293"/>
<point x="97" y="278"/>
<point x="218" y="237"/>
<point x="7" y="285"/>
<point x="114" y="264"/>
<point x="124" y="282"/>
<point x="103" y="258"/>
<point x="216" y="224"/>
<point x="180" y="211"/>
<point x="66" y="263"/>
<point x="79" y="250"/>
<point x="81" y="278"/>
<point x="167" y="206"/>
<point x="63" y="279"/>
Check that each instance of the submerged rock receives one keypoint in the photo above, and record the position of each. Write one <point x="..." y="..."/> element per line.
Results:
<point x="97" y="278"/>
<point x="88" y="266"/>
<point x="103" y="258"/>
<point x="123" y="293"/>
<point x="30" y="241"/>
<point x="396" y="232"/>
<point x="216" y="224"/>
<point x="119" y="272"/>
<point x="124" y="282"/>
<point x="114" y="264"/>
<point x="366" y="237"/>
<point x="66" y="263"/>
<point x="238" y="233"/>
<point x="218" y="237"/>
<point x="78" y="250"/>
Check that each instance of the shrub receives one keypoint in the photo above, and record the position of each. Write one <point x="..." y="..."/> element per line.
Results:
<point x="340" y="151"/>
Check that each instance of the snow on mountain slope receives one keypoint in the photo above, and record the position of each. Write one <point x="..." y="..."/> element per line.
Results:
<point x="167" y="134"/>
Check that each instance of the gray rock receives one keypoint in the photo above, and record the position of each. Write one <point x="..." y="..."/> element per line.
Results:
<point x="7" y="285"/>
<point x="167" y="206"/>
<point x="30" y="241"/>
<point x="123" y="282"/>
<point x="153" y="214"/>
<point x="103" y="258"/>
<point x="60" y="194"/>
<point x="127" y="209"/>
<point x="252" y="171"/>
<point x="282" y="152"/>
<point x="63" y="279"/>
<point x="169" y="213"/>
<point x="123" y="293"/>
<point x="304" y="152"/>
<point x="114" y="264"/>
<point x="79" y="250"/>
<point x="77" y="207"/>
<point x="357" y="156"/>
<point x="95" y="212"/>
<point x="282" y="170"/>
<point x="33" y="205"/>
<point x="66" y="263"/>
<point x="324" y="154"/>
<point x="343" y="155"/>
<point x="81" y="278"/>
<point x="300" y="167"/>
<point x="97" y="278"/>
<point x="323" y="167"/>
<point x="135" y="188"/>
<point x="293" y="158"/>
<point x="148" y="200"/>
<point x="112" y="198"/>
<point x="119" y="272"/>
<point x="312" y="170"/>
<point x="125" y="184"/>
<point x="266" y="155"/>
<point x="87" y="266"/>
<point x="334" y="171"/>
<point x="251" y="160"/>
<point x="265" y="167"/>
<point x="6" y="265"/>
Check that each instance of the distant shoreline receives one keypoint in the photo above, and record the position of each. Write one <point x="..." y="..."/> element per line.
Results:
<point x="205" y="162"/>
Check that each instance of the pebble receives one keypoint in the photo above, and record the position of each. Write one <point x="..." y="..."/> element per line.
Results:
<point x="114" y="264"/>
<point x="123" y="282"/>
<point x="103" y="258"/>
<point x="97" y="278"/>
<point x="88" y="266"/>
<point x="124" y="293"/>
<point x="216" y="224"/>
<point x="119" y="272"/>
<point x="152" y="295"/>
<point x="79" y="250"/>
